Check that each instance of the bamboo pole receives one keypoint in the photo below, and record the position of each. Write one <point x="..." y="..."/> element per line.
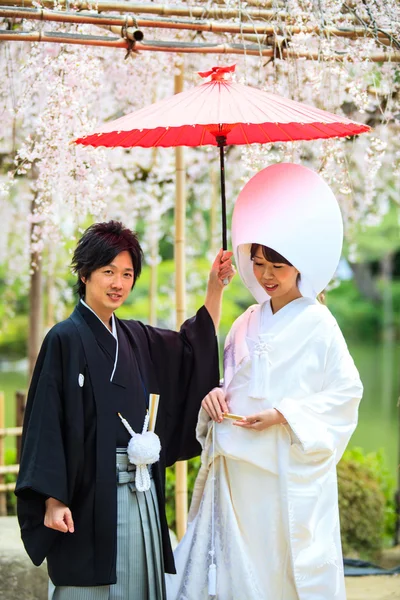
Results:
<point x="267" y="37"/>
<point x="153" y="272"/>
<point x="3" y="499"/>
<point x="165" y="10"/>
<point x="6" y="469"/>
<point x="6" y="487"/>
<point x="250" y="29"/>
<point x="184" y="48"/>
<point x="181" y="492"/>
<point x="268" y="33"/>
<point x="259" y="10"/>
<point x="63" y="38"/>
<point x="154" y="250"/>
<point x="4" y="431"/>
<point x="260" y="3"/>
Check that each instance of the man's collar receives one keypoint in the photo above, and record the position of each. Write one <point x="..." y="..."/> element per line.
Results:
<point x="113" y="325"/>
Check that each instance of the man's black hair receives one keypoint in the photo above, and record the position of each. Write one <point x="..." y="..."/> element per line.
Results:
<point x="98" y="247"/>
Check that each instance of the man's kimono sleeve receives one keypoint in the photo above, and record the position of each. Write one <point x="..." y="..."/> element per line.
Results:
<point x="324" y="422"/>
<point x="43" y="470"/>
<point x="187" y="369"/>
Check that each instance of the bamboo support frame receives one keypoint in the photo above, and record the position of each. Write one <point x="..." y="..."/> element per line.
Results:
<point x="251" y="29"/>
<point x="266" y="38"/>
<point x="4" y="431"/>
<point x="182" y="47"/>
<point x="165" y="10"/>
<point x="181" y="491"/>
<point x="6" y="487"/>
<point x="3" y="503"/>
<point x="5" y="469"/>
<point x="153" y="276"/>
<point x="255" y="10"/>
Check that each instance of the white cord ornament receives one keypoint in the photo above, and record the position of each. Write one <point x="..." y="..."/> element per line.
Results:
<point x="260" y="367"/>
<point x="143" y="450"/>
<point x="212" y="569"/>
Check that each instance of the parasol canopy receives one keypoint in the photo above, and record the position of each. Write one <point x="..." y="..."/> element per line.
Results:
<point x="221" y="112"/>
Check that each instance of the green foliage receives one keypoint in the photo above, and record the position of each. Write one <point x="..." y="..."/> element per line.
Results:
<point x="193" y="468"/>
<point x="13" y="339"/>
<point x="375" y="241"/>
<point x="358" y="317"/>
<point x="366" y="491"/>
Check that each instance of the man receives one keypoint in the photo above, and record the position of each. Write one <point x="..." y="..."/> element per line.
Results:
<point x="102" y="538"/>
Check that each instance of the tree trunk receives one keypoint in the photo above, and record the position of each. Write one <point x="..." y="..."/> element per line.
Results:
<point x="365" y="282"/>
<point x="35" y="305"/>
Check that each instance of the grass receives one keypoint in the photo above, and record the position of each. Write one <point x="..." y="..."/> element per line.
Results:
<point x="9" y="384"/>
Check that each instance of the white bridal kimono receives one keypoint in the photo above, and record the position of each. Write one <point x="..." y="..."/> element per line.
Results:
<point x="265" y="510"/>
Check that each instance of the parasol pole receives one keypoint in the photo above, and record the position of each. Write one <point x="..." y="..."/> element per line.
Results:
<point x="181" y="493"/>
<point x="221" y="141"/>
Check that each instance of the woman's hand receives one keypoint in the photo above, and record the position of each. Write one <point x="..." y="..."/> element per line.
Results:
<point x="215" y="404"/>
<point x="58" y="516"/>
<point x="262" y="420"/>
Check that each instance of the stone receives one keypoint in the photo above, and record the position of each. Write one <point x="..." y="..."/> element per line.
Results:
<point x="19" y="578"/>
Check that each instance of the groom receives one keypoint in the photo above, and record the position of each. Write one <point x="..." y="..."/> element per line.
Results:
<point x="74" y="507"/>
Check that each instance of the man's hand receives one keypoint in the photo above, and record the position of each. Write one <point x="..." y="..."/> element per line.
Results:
<point x="215" y="404"/>
<point x="222" y="271"/>
<point x="262" y="420"/>
<point x="58" y="516"/>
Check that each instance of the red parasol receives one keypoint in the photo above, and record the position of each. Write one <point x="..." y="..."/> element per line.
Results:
<point x="220" y="112"/>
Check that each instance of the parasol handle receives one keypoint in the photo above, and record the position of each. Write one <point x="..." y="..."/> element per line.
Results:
<point x="221" y="141"/>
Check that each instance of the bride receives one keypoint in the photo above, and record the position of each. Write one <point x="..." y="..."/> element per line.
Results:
<point x="264" y="520"/>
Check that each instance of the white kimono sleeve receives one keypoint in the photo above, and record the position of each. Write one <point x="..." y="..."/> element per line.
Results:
<point x="324" y="422"/>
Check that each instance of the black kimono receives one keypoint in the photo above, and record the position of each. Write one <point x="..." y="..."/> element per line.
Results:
<point x="71" y="431"/>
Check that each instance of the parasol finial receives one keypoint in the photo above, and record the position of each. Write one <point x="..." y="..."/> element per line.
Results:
<point x="217" y="73"/>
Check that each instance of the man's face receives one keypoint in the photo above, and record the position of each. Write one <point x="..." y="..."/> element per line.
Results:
<point x="108" y="287"/>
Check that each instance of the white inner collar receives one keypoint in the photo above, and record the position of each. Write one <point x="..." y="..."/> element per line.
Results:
<point x="113" y="325"/>
<point x="113" y="332"/>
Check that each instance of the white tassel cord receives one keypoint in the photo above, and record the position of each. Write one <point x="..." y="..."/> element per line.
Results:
<point x="143" y="449"/>
<point x="126" y="424"/>
<point x="260" y="369"/>
<point x="212" y="569"/>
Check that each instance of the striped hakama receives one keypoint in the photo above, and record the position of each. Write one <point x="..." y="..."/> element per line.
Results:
<point x="140" y="568"/>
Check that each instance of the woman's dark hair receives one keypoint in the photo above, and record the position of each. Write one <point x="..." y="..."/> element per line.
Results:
<point x="269" y="254"/>
<point x="98" y="247"/>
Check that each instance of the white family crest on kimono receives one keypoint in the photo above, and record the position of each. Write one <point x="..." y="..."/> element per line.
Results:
<point x="277" y="533"/>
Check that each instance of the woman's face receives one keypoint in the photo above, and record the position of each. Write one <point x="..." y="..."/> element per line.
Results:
<point x="278" y="279"/>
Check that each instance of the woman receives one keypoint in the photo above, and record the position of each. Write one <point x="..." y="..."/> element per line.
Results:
<point x="265" y="507"/>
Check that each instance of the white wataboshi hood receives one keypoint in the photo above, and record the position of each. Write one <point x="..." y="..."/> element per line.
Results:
<point x="292" y="210"/>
